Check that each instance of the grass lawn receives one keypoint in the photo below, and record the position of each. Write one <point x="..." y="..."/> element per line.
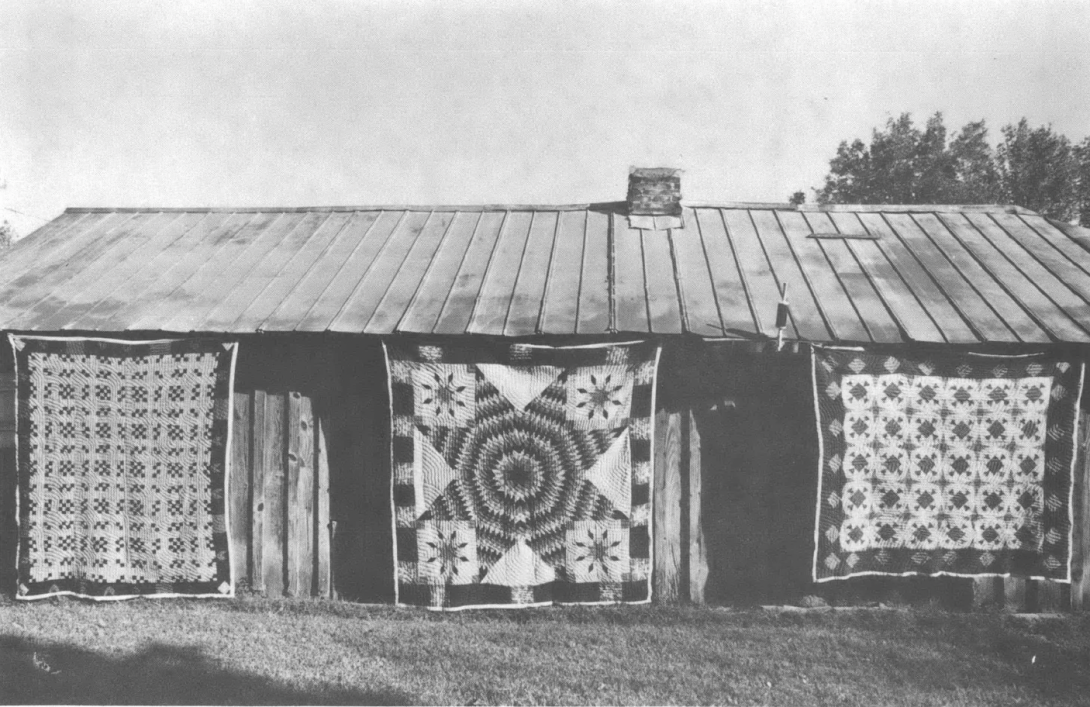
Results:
<point x="264" y="651"/>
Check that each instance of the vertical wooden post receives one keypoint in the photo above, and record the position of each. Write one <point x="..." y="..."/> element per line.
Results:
<point x="987" y="591"/>
<point x="300" y="492"/>
<point x="1080" y="541"/>
<point x="1047" y="596"/>
<point x="238" y="487"/>
<point x="272" y="551"/>
<point x="323" y="527"/>
<point x="1014" y="594"/>
<point x="698" y="551"/>
<point x="667" y="507"/>
<point x="257" y="495"/>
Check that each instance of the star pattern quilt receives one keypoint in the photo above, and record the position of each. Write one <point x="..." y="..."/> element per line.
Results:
<point x="122" y="454"/>
<point x="945" y="464"/>
<point x="522" y="474"/>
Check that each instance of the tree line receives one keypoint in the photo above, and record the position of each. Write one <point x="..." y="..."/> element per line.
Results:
<point x="1032" y="167"/>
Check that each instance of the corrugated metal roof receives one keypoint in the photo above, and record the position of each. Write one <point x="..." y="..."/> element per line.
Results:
<point x="931" y="273"/>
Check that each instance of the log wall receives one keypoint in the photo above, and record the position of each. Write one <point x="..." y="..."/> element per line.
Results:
<point x="309" y="487"/>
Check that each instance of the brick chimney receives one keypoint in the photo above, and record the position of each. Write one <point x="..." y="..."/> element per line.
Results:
<point x="654" y="198"/>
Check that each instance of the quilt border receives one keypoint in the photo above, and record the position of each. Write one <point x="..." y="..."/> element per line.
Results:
<point x="222" y="425"/>
<point x="915" y="358"/>
<point x="515" y="353"/>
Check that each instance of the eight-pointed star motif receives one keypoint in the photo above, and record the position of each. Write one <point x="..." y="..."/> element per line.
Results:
<point x="448" y="552"/>
<point x="443" y="393"/>
<point x="523" y="475"/>
<point x="600" y="397"/>
<point x="600" y="551"/>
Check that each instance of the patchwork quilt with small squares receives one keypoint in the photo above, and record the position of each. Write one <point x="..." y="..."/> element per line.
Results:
<point x="522" y="474"/>
<point x="122" y="453"/>
<point x="944" y="464"/>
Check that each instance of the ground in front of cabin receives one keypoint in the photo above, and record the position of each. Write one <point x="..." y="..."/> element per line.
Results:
<point x="259" y="651"/>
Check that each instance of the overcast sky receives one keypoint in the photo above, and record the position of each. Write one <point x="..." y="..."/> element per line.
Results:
<point x="315" y="103"/>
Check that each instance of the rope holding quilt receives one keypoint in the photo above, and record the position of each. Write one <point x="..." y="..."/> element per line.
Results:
<point x="944" y="463"/>
<point x="122" y="454"/>
<point x="522" y="474"/>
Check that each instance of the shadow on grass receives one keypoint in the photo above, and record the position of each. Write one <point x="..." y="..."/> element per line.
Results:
<point x="38" y="673"/>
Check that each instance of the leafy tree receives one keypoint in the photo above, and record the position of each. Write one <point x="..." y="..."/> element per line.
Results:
<point x="906" y="165"/>
<point x="978" y="179"/>
<point x="1082" y="155"/>
<point x="1040" y="170"/>
<point x="7" y="235"/>
<point x="1031" y="167"/>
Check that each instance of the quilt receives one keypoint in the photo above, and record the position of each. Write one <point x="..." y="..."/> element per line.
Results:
<point x="944" y="464"/>
<point x="522" y="474"/>
<point x="122" y="455"/>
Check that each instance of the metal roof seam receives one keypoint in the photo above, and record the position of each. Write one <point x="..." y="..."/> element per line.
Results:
<point x="461" y="263"/>
<point x="646" y="288"/>
<point x="775" y="277"/>
<point x="400" y="265"/>
<point x="874" y="287"/>
<point x="938" y="283"/>
<point x="1010" y="291"/>
<point x="867" y="326"/>
<point x="708" y="270"/>
<point x="1051" y="245"/>
<point x="1052" y="242"/>
<point x="742" y="277"/>
<point x="209" y="316"/>
<point x="582" y="271"/>
<point x="425" y="276"/>
<point x="539" y="328"/>
<point x="488" y="268"/>
<point x="679" y="285"/>
<point x="367" y="271"/>
<point x="1049" y="269"/>
<point x="14" y="267"/>
<point x="97" y="308"/>
<point x="97" y="280"/>
<point x="1072" y="232"/>
<point x="903" y="278"/>
<point x="212" y="257"/>
<point x="30" y="244"/>
<point x="829" y="326"/>
<point x="519" y="273"/>
<point x="31" y="306"/>
<point x="194" y="320"/>
<point x="248" y="248"/>
<point x="461" y="266"/>
<point x="279" y="272"/>
<point x="309" y="268"/>
<point x="220" y="230"/>
<point x="973" y="327"/>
